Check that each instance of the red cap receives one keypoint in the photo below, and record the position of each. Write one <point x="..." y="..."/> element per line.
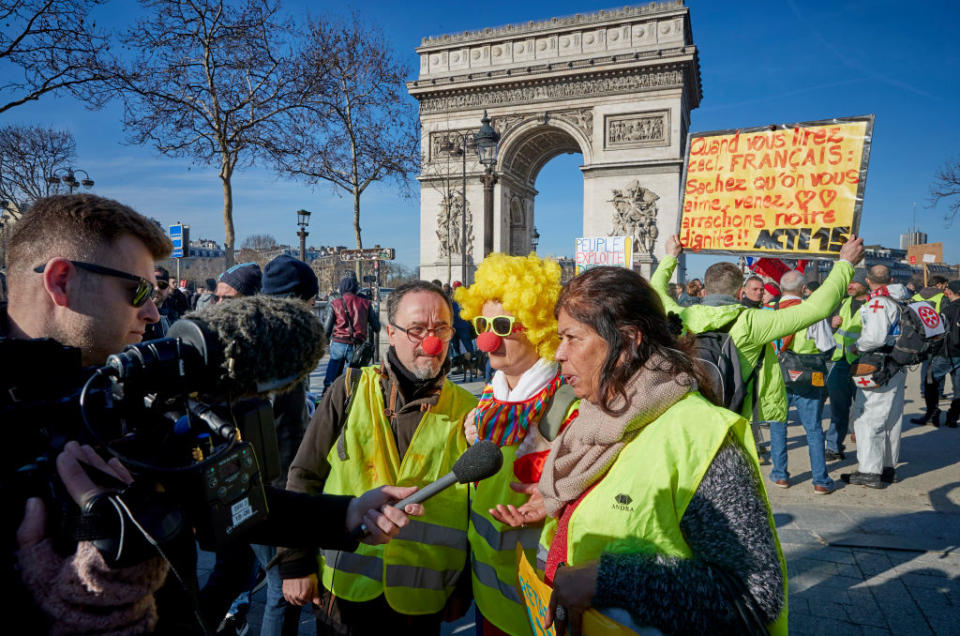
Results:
<point x="456" y="284"/>
<point x="772" y="289"/>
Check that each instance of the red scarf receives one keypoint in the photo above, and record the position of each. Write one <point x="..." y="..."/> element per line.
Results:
<point x="880" y="291"/>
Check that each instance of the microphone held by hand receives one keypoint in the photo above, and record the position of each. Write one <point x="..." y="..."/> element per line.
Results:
<point x="478" y="462"/>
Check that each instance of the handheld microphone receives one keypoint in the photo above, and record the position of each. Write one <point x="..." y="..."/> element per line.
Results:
<point x="244" y="348"/>
<point x="478" y="462"/>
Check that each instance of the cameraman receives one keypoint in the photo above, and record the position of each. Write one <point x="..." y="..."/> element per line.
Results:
<point x="80" y="271"/>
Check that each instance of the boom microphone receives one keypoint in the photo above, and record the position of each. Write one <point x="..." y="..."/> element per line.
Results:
<point x="246" y="347"/>
<point x="478" y="462"/>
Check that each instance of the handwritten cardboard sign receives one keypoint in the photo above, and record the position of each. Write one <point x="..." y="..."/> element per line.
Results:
<point x="792" y="189"/>
<point x="604" y="250"/>
<point x="536" y="596"/>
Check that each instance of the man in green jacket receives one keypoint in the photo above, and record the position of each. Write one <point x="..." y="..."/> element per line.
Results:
<point x="754" y="329"/>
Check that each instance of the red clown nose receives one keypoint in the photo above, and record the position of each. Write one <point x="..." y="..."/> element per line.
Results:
<point x="432" y="345"/>
<point x="488" y="341"/>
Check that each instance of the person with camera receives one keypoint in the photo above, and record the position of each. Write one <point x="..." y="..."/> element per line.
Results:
<point x="81" y="272"/>
<point x="346" y="326"/>
<point x="397" y="422"/>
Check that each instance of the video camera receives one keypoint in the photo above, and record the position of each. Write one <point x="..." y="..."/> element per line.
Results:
<point x="200" y="456"/>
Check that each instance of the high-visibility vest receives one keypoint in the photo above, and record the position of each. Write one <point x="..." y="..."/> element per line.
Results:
<point x="417" y="570"/>
<point x="626" y="512"/>
<point x="936" y="300"/>
<point x="849" y="331"/>
<point x="493" y="547"/>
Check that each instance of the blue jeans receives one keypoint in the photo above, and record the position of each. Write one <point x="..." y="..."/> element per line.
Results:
<point x="810" y="409"/>
<point x="279" y="617"/>
<point x="340" y="352"/>
<point x="842" y="391"/>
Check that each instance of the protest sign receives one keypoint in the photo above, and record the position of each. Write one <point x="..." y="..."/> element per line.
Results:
<point x="604" y="250"/>
<point x="536" y="596"/>
<point x="793" y="189"/>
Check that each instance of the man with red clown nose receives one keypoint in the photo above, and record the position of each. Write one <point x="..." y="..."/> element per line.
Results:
<point x="522" y="408"/>
<point x="400" y="422"/>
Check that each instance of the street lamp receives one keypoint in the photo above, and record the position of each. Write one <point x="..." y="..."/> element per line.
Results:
<point x="303" y="220"/>
<point x="535" y="239"/>
<point x="487" y="141"/>
<point x="70" y="178"/>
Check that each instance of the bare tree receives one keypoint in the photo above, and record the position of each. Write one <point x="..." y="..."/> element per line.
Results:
<point x="28" y="155"/>
<point x="359" y="126"/>
<point x="946" y="188"/>
<point x="259" y="242"/>
<point x="206" y="79"/>
<point x="47" y="45"/>
<point x="259" y="249"/>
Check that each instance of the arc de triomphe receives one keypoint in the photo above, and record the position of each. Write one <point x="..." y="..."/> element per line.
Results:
<point x="616" y="86"/>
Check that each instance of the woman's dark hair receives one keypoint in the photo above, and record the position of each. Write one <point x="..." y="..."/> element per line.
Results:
<point x="614" y="302"/>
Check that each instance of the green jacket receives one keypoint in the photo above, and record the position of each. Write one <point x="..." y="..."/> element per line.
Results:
<point x="756" y="328"/>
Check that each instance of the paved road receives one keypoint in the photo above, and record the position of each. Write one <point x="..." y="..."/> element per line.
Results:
<point x="860" y="561"/>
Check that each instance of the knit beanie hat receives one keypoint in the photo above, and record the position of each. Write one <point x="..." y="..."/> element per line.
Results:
<point x="245" y="278"/>
<point x="772" y="289"/>
<point x="349" y="284"/>
<point x="290" y="277"/>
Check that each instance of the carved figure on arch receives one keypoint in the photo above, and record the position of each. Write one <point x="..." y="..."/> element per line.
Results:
<point x="635" y="215"/>
<point x="449" y="218"/>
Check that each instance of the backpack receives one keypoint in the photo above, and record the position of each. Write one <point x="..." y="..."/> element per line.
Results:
<point x="921" y="327"/>
<point x="719" y="360"/>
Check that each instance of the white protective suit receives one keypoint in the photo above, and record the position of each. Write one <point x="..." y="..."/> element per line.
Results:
<point x="878" y="412"/>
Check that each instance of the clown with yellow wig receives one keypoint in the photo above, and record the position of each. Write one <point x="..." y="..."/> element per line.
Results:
<point x="523" y="407"/>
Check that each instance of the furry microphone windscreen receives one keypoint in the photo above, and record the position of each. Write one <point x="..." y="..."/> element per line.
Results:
<point x="268" y="343"/>
<point x="478" y="462"/>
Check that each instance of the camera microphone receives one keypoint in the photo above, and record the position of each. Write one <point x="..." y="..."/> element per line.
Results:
<point x="243" y="348"/>
<point x="483" y="459"/>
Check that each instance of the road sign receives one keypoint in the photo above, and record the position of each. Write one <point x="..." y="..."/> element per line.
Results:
<point x="370" y="254"/>
<point x="180" y="237"/>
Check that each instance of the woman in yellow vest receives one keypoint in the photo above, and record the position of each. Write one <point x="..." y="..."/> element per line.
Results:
<point x="661" y="520"/>
<point x="511" y="307"/>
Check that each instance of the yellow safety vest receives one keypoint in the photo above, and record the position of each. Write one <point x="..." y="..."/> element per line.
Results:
<point x="628" y="512"/>
<point x="848" y="332"/>
<point x="493" y="547"/>
<point x="418" y="570"/>
<point x="936" y="299"/>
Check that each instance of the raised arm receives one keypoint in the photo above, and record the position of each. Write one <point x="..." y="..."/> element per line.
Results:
<point x="760" y="327"/>
<point x="660" y="281"/>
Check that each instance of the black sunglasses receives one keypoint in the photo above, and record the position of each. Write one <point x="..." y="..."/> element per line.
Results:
<point x="145" y="289"/>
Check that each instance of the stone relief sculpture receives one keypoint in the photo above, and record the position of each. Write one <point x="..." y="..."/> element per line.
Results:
<point x="635" y="215"/>
<point x="449" y="218"/>
<point x="636" y="129"/>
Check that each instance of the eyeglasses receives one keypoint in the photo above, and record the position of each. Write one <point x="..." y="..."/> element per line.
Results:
<point x="144" y="291"/>
<point x="417" y="334"/>
<point x="501" y="325"/>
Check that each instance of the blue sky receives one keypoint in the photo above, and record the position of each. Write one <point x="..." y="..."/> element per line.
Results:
<point x="761" y="63"/>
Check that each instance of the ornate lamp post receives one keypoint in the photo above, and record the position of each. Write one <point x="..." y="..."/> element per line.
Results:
<point x="535" y="239"/>
<point x="487" y="141"/>
<point x="303" y="220"/>
<point x="69" y="178"/>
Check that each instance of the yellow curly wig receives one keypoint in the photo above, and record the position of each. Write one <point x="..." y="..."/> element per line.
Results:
<point x="526" y="286"/>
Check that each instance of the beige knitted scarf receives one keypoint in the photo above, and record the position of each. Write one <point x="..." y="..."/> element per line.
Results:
<point x="582" y="453"/>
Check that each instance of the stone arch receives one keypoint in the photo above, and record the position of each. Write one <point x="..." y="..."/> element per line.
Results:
<point x="529" y="146"/>
<point x="615" y="86"/>
<point x="524" y="150"/>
